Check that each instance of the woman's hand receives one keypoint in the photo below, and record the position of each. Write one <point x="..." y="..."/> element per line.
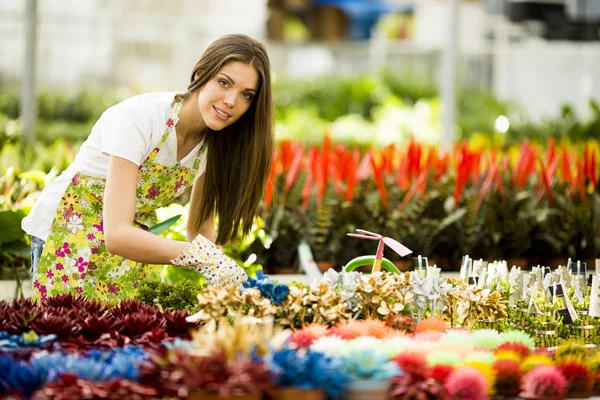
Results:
<point x="205" y="257"/>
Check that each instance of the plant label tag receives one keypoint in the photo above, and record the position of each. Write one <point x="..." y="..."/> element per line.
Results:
<point x="465" y="268"/>
<point x="594" y="310"/>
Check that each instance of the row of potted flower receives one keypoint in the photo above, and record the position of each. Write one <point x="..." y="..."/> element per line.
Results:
<point x="249" y="358"/>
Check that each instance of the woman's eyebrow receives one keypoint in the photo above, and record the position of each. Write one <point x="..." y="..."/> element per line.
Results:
<point x="232" y="81"/>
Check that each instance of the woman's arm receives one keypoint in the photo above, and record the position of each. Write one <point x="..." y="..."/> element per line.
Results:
<point x="208" y="227"/>
<point x="120" y="235"/>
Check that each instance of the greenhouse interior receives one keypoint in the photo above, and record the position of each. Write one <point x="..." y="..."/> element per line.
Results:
<point x="303" y="199"/>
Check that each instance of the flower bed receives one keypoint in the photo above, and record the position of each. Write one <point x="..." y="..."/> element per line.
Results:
<point x="348" y="336"/>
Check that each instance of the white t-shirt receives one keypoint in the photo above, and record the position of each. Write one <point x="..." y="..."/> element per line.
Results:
<point x="130" y="130"/>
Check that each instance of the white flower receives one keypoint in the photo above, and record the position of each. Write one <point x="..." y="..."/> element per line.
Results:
<point x="85" y="253"/>
<point x="396" y="345"/>
<point x="331" y="277"/>
<point x="75" y="224"/>
<point x="332" y="346"/>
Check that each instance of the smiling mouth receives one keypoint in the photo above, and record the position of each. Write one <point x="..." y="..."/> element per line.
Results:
<point x="222" y="114"/>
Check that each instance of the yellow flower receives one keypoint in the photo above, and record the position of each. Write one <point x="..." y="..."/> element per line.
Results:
<point x="487" y="371"/>
<point x="508" y="355"/>
<point x="535" y="360"/>
<point x="78" y="240"/>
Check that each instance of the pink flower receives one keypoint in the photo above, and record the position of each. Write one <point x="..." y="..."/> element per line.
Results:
<point x="94" y="250"/>
<point x="543" y="381"/>
<point x="36" y="284"/>
<point x="467" y="383"/>
<point x="170" y="122"/>
<point x="91" y="236"/>
<point x="65" y="279"/>
<point x="43" y="289"/>
<point x="79" y="290"/>
<point x="50" y="274"/>
<point x="59" y="267"/>
<point x="153" y="192"/>
<point x="81" y="263"/>
<point x="63" y="250"/>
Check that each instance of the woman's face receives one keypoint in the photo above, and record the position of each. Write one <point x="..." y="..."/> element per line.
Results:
<point x="228" y="95"/>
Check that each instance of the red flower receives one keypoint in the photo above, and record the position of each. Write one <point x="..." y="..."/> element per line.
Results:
<point x="508" y="378"/>
<point x="441" y="372"/>
<point x="153" y="192"/>
<point x="579" y="379"/>
<point x="413" y="364"/>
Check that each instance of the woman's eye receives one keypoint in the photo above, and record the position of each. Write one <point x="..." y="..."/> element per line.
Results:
<point x="247" y="96"/>
<point x="223" y="83"/>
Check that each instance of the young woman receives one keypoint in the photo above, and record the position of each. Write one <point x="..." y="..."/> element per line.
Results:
<point x="89" y="226"/>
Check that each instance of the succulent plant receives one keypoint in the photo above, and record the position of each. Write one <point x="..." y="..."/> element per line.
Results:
<point x="94" y="326"/>
<point x="61" y="324"/>
<point x="138" y="323"/>
<point x="176" y="323"/>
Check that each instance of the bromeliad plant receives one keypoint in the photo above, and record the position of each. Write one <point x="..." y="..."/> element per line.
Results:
<point x="525" y="201"/>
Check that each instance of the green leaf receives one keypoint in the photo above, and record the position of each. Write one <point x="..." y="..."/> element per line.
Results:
<point x="163" y="226"/>
<point x="11" y="231"/>
<point x="18" y="248"/>
<point x="35" y="176"/>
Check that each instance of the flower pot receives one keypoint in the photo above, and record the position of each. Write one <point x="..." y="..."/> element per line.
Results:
<point x="519" y="262"/>
<point x="298" y="394"/>
<point x="403" y="265"/>
<point x="285" y="270"/>
<point x="365" y="389"/>
<point x="204" y="395"/>
<point x="324" y="266"/>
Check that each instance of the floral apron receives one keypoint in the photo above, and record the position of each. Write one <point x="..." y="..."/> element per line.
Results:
<point x="75" y="259"/>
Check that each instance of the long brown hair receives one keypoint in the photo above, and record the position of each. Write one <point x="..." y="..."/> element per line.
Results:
<point x="239" y="156"/>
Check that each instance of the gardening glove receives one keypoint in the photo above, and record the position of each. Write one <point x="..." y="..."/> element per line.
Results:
<point x="205" y="257"/>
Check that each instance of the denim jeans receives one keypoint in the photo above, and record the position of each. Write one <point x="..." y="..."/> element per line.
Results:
<point x="37" y="245"/>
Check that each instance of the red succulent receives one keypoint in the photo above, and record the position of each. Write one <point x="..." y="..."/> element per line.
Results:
<point x="163" y="373"/>
<point x="22" y="313"/>
<point x="92" y="307"/>
<point x="176" y="323"/>
<point x="407" y="388"/>
<point x="95" y="326"/>
<point x="127" y="307"/>
<point x="215" y="374"/>
<point x="138" y="323"/>
<point x="70" y="387"/>
<point x="60" y="324"/>
<point x="64" y="300"/>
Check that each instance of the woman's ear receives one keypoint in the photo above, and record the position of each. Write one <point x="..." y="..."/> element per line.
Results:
<point x="196" y="75"/>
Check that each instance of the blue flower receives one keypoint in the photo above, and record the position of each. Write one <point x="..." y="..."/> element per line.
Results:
<point x="26" y="377"/>
<point x="10" y="342"/>
<point x="369" y="364"/>
<point x="276" y="293"/>
<point x="308" y="370"/>
<point x="280" y="294"/>
<point x="85" y="368"/>
<point x="125" y="367"/>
